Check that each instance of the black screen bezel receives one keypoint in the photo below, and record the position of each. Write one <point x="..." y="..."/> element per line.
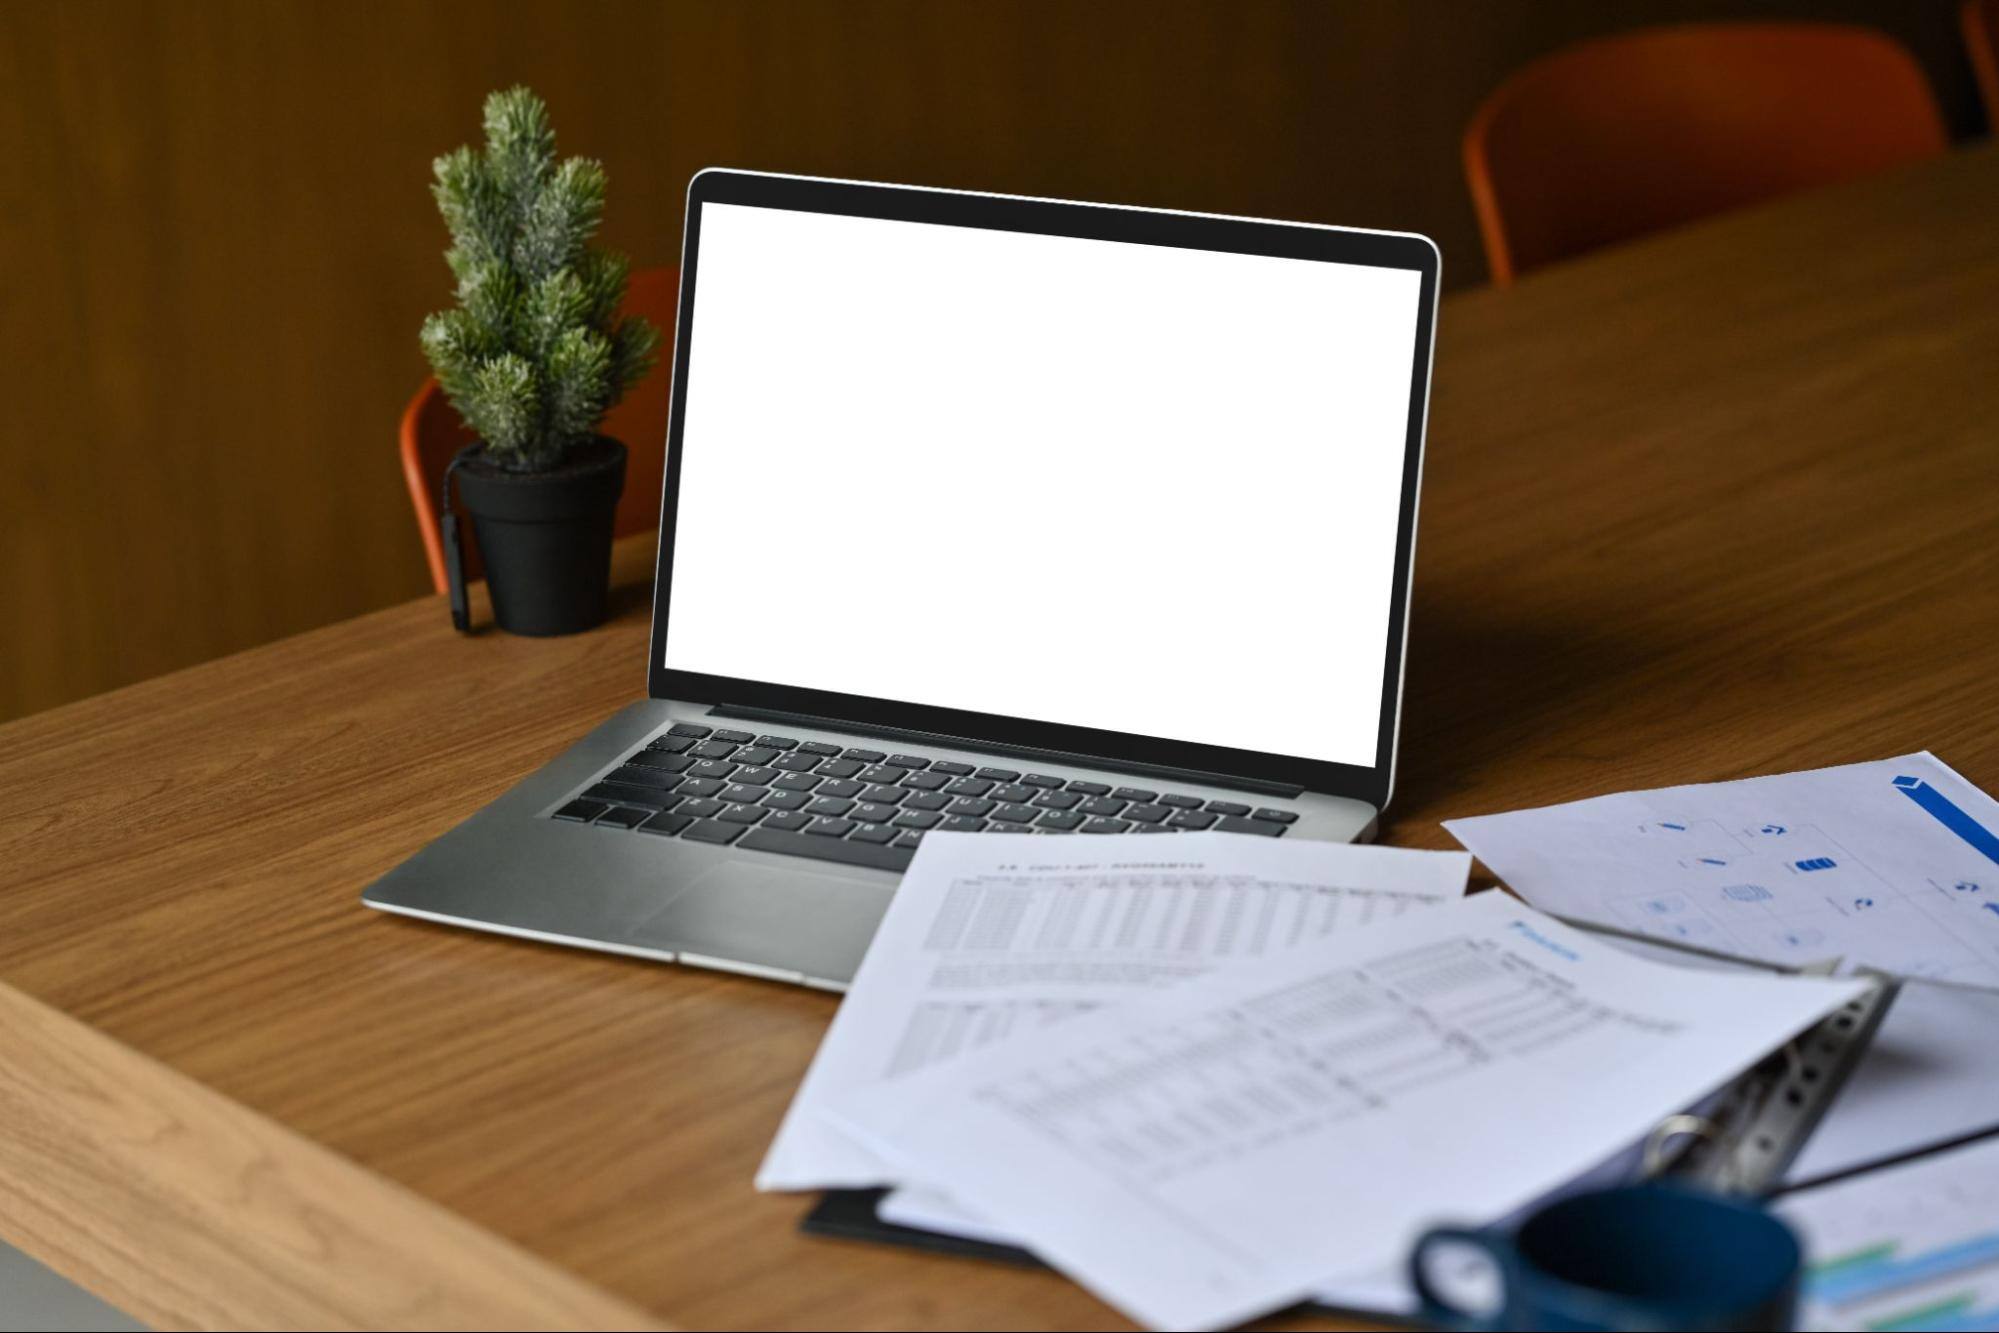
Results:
<point x="1087" y="221"/>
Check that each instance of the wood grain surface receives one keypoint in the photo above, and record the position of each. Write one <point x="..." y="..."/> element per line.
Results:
<point x="218" y="243"/>
<point x="1717" y="504"/>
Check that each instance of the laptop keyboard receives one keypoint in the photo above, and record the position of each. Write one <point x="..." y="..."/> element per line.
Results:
<point x="868" y="807"/>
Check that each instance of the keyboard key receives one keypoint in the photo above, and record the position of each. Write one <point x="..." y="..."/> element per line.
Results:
<point x="1104" y="826"/>
<point x="742" y="794"/>
<point x="1041" y="780"/>
<point x="926" y="800"/>
<point x="911" y="838"/>
<point x="962" y="824"/>
<point x="1015" y="814"/>
<point x="1181" y="802"/>
<point x="1011" y="791"/>
<point x="872" y="833"/>
<point x="951" y="769"/>
<point x="873" y="812"/>
<point x="909" y="761"/>
<point x="713" y="750"/>
<point x="818" y="747"/>
<point x="970" y="805"/>
<point x="759" y="775"/>
<point x="1152" y="828"/>
<point x="652" y="798"/>
<point x="797" y="763"/>
<point x="641" y="776"/>
<point x="743" y="814"/>
<point x="778" y="742"/>
<point x="828" y="827"/>
<point x="712" y="830"/>
<point x="787" y="819"/>
<point x="1192" y="819"/>
<point x="1006" y="828"/>
<point x="701" y="786"/>
<point x="969" y="787"/>
<point x="1058" y="819"/>
<point x="999" y="774"/>
<point x="1090" y="788"/>
<point x="705" y="808"/>
<point x="582" y="811"/>
<point x="687" y="729"/>
<point x="1057" y="800"/>
<point x="785" y="800"/>
<point x="1263" y="827"/>
<point x="1277" y="816"/>
<point x="882" y="795"/>
<point x="768" y="839"/>
<point x="659" y="759"/>
<point x="840" y="787"/>
<point x="887" y="773"/>
<point x="1122" y="793"/>
<point x="665" y="825"/>
<point x="924" y="781"/>
<point x="1101" y="805"/>
<point x="1228" y="808"/>
<point x="625" y="816"/>
<point x="755" y="754"/>
<point x="797" y="782"/>
<point x="840" y="768"/>
<point x="735" y="737"/>
<point x="917" y="819"/>
<point x="669" y="744"/>
<point x="830" y="806"/>
<point x="712" y="768"/>
<point x="865" y="756"/>
<point x="1147" y="814"/>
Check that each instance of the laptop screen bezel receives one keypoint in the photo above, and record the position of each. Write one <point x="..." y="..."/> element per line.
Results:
<point x="1370" y="783"/>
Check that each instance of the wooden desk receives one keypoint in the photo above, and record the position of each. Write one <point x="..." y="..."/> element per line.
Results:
<point x="1717" y="504"/>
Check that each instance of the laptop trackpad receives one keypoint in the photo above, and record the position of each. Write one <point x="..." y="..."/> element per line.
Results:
<point x="782" y="918"/>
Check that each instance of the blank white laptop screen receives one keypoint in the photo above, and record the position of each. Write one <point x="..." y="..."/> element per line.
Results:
<point x="1107" y="484"/>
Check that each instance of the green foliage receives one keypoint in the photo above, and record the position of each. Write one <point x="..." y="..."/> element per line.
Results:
<point x="534" y="354"/>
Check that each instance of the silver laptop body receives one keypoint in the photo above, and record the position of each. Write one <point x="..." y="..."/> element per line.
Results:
<point x="981" y="513"/>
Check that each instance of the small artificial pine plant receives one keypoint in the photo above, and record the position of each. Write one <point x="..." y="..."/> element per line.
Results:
<point x="533" y="356"/>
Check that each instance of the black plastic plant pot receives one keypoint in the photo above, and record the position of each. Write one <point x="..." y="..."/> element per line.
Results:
<point x="546" y="537"/>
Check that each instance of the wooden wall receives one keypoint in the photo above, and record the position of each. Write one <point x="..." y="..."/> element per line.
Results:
<point x="217" y="240"/>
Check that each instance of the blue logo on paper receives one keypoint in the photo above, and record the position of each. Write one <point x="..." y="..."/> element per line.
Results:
<point x="1816" y="863"/>
<point x="1774" y="830"/>
<point x="1965" y="886"/>
<point x="1862" y="904"/>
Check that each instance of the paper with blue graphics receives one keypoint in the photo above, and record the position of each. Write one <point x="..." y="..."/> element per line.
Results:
<point x="1207" y="1152"/>
<point x="1892" y="865"/>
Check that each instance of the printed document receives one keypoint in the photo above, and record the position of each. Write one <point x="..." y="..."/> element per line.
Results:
<point x="1892" y="864"/>
<point x="1904" y="1247"/>
<point x="1203" y="1153"/>
<point x="991" y="934"/>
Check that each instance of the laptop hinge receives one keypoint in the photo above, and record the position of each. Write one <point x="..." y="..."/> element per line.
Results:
<point x="1261" y="786"/>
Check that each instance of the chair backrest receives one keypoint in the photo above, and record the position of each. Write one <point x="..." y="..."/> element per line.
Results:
<point x="432" y="433"/>
<point x="1981" y="43"/>
<point x="1624" y="135"/>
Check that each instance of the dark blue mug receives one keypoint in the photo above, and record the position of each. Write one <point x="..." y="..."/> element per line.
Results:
<point x="1637" y="1257"/>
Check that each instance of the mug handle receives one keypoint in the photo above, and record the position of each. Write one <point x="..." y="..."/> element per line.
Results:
<point x="1437" y="1310"/>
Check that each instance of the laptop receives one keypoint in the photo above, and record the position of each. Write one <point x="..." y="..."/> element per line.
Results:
<point x="982" y="514"/>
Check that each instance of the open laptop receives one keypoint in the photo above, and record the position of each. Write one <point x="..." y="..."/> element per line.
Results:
<point x="982" y="514"/>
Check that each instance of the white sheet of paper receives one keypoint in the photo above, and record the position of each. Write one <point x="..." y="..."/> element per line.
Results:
<point x="1203" y="1153"/>
<point x="1930" y="1075"/>
<point x="1892" y="864"/>
<point x="993" y="933"/>
<point x="1904" y="1247"/>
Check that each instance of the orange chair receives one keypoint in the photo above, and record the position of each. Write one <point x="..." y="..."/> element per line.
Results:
<point x="1624" y="135"/>
<point x="1981" y="43"/>
<point x="432" y="433"/>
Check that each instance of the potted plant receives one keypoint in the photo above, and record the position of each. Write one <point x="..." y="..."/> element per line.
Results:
<point x="532" y="357"/>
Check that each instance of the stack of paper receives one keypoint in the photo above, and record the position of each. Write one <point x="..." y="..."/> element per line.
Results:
<point x="1244" y="1101"/>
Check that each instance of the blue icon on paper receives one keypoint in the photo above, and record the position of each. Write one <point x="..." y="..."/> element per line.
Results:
<point x="1816" y="863"/>
<point x="1774" y="830"/>
<point x="1747" y="893"/>
<point x="1862" y="904"/>
<point x="1677" y="828"/>
<point x="1713" y="861"/>
<point x="1965" y="886"/>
